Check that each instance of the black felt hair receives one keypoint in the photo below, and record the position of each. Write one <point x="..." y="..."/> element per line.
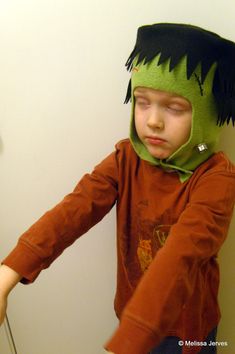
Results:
<point x="174" y="41"/>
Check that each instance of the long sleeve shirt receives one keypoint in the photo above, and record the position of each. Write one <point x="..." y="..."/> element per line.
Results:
<point x="168" y="237"/>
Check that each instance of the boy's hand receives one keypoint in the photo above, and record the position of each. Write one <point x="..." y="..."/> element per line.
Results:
<point x="8" y="279"/>
<point x="3" y="308"/>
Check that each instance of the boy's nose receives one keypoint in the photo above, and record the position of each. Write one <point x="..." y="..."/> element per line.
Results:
<point x="155" y="120"/>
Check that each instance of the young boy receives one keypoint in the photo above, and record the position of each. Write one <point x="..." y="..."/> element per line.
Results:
<point x="174" y="196"/>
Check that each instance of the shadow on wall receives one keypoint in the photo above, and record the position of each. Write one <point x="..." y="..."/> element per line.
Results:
<point x="1" y="145"/>
<point x="226" y="261"/>
<point x="227" y="142"/>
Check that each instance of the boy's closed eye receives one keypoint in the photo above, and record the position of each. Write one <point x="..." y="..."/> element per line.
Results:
<point x="142" y="102"/>
<point x="176" y="108"/>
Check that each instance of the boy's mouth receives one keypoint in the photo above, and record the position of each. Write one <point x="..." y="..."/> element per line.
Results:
<point x="153" y="140"/>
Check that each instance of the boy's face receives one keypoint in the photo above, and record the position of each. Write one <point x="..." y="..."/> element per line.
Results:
<point x="162" y="121"/>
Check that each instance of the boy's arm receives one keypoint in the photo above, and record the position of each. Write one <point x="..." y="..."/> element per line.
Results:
<point x="43" y="242"/>
<point x="169" y="282"/>
<point x="8" y="280"/>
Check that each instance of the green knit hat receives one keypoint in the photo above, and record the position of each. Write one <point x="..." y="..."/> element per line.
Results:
<point x="196" y="64"/>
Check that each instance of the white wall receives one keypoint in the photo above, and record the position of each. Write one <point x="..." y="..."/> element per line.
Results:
<point x="62" y="84"/>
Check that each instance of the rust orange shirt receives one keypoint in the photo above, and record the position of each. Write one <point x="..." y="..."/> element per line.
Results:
<point x="168" y="235"/>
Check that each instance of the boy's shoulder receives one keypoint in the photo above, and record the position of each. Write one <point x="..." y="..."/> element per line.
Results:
<point x="217" y="166"/>
<point x="125" y="149"/>
<point x="220" y="162"/>
<point x="123" y="144"/>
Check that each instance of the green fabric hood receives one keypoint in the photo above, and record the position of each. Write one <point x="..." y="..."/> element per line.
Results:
<point x="203" y="130"/>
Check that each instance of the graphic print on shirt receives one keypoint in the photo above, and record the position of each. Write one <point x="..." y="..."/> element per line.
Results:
<point x="152" y="234"/>
<point x="144" y="252"/>
<point x="145" y="247"/>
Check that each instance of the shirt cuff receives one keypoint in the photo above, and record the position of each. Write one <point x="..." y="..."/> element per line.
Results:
<point x="132" y="337"/>
<point x="25" y="262"/>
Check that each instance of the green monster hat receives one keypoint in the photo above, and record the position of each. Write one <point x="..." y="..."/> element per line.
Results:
<point x="194" y="63"/>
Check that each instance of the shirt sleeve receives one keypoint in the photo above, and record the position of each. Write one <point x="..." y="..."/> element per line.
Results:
<point x="170" y="280"/>
<point x="58" y="228"/>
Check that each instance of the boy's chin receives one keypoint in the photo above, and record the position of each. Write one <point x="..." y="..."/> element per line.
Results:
<point x="161" y="155"/>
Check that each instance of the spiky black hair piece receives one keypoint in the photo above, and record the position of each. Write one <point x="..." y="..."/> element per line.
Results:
<point x="174" y="41"/>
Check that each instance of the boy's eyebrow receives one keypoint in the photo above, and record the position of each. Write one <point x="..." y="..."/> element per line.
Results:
<point x="139" y="90"/>
<point x="142" y="93"/>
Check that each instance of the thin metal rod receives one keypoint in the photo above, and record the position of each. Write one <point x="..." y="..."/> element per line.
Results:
<point x="10" y="334"/>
